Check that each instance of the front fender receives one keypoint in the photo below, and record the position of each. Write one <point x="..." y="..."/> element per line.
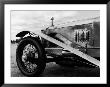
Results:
<point x="28" y="33"/>
<point x="22" y="34"/>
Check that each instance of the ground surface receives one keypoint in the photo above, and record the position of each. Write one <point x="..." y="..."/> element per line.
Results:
<point x="54" y="70"/>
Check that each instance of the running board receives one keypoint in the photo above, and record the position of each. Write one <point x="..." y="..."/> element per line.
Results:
<point x="69" y="48"/>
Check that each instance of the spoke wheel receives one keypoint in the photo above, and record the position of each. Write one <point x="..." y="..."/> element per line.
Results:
<point x="30" y="57"/>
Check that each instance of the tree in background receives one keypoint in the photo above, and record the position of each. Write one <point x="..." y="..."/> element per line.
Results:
<point x="15" y="41"/>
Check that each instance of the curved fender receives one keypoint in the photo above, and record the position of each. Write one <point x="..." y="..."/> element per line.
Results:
<point x="23" y="33"/>
<point x="28" y="33"/>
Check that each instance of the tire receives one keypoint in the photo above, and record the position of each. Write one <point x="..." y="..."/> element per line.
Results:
<point x="35" y="61"/>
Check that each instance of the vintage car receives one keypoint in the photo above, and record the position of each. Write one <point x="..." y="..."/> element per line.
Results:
<point x="65" y="45"/>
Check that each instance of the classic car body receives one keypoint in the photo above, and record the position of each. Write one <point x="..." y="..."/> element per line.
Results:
<point x="82" y="39"/>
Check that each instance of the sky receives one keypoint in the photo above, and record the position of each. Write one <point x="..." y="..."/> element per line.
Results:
<point x="38" y="20"/>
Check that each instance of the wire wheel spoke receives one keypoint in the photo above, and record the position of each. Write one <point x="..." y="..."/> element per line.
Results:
<point x="30" y="67"/>
<point x="30" y="57"/>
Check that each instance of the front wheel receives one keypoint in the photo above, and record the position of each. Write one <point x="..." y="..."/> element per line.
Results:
<point x="30" y="57"/>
